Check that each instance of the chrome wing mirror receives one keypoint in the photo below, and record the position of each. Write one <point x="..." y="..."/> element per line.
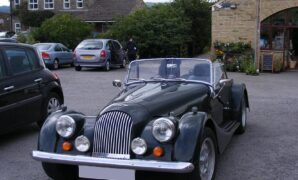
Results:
<point x="224" y="81"/>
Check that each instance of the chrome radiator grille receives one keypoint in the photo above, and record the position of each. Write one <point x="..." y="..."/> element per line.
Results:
<point x="112" y="135"/>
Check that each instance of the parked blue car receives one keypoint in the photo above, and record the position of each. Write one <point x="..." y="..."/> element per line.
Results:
<point x="103" y="53"/>
<point x="55" y="54"/>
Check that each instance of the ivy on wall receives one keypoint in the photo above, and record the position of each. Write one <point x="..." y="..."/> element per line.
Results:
<point x="31" y="18"/>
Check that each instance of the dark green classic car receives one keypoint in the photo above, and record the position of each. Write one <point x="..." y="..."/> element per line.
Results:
<point x="172" y="116"/>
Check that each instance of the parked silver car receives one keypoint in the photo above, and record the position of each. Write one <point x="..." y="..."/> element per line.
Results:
<point x="55" y="54"/>
<point x="104" y="53"/>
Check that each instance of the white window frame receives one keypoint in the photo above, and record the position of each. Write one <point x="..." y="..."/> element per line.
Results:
<point x="48" y="3"/>
<point x="17" y="27"/>
<point x="66" y="2"/>
<point x="32" y="3"/>
<point x="78" y="2"/>
<point x="16" y="4"/>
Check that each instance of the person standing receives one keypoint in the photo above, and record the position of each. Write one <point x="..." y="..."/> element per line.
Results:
<point x="131" y="50"/>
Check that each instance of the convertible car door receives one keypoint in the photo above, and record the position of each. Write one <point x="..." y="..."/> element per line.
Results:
<point x="221" y="101"/>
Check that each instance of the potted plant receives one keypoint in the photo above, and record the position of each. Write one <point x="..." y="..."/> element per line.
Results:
<point x="277" y="64"/>
<point x="293" y="60"/>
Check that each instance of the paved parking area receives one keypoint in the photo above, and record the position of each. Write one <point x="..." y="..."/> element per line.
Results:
<point x="268" y="149"/>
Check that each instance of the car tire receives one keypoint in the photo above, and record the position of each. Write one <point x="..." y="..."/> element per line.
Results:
<point x="78" y="68"/>
<point x="56" y="64"/>
<point x="242" y="117"/>
<point x="107" y="66"/>
<point x="207" y="156"/>
<point x="61" y="171"/>
<point x="52" y="103"/>
<point x="123" y="64"/>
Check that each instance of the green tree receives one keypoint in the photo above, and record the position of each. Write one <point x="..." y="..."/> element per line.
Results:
<point x="199" y="12"/>
<point x="158" y="31"/>
<point x="62" y="28"/>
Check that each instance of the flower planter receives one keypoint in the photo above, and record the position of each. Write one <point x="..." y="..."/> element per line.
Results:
<point x="293" y="64"/>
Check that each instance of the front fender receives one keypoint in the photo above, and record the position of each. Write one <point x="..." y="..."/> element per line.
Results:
<point x="238" y="92"/>
<point x="48" y="137"/>
<point x="190" y="129"/>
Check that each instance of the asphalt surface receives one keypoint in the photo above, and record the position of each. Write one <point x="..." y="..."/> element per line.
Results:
<point x="268" y="149"/>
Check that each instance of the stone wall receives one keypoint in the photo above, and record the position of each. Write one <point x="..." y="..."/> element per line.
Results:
<point x="234" y="25"/>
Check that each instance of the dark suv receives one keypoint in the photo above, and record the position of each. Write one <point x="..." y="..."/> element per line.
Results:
<point x="28" y="91"/>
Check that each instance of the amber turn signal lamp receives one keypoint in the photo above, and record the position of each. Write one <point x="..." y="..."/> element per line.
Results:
<point x="158" y="151"/>
<point x="66" y="146"/>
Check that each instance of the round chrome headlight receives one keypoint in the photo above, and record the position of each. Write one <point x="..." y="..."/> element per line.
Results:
<point x="65" y="126"/>
<point x="82" y="143"/>
<point x="163" y="129"/>
<point x="138" y="146"/>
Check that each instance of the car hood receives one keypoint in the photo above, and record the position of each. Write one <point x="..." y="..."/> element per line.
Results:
<point x="143" y="102"/>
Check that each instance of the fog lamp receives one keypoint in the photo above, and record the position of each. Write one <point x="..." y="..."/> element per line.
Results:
<point x="82" y="143"/>
<point x="139" y="146"/>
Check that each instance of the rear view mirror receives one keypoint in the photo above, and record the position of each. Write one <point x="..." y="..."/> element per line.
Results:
<point x="117" y="83"/>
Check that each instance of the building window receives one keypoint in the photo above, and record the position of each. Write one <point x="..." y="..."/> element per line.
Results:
<point x="49" y="4"/>
<point x="17" y="2"/>
<point x="66" y="4"/>
<point x="17" y="27"/>
<point x="33" y="5"/>
<point x="79" y="3"/>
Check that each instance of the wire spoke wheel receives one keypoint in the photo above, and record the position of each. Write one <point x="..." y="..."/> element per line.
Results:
<point x="207" y="159"/>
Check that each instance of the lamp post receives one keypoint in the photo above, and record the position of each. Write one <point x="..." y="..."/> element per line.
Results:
<point x="257" y="42"/>
<point x="10" y="5"/>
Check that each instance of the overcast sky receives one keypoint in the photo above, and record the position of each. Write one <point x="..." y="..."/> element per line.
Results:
<point x="6" y="2"/>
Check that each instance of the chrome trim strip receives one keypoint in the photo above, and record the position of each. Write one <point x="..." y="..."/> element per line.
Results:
<point x="146" y="165"/>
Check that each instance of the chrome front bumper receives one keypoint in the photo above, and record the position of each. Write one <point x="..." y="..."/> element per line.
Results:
<point x="145" y="165"/>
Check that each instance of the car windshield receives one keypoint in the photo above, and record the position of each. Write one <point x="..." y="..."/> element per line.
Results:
<point x="90" y="45"/>
<point x="186" y="70"/>
<point x="43" y="47"/>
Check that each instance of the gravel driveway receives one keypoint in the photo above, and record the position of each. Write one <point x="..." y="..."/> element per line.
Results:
<point x="269" y="148"/>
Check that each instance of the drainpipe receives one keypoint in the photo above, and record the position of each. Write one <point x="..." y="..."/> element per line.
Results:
<point x="257" y="42"/>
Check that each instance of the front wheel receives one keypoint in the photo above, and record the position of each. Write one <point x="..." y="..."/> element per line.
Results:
<point x="61" y="171"/>
<point x="205" y="165"/>
<point x="52" y="104"/>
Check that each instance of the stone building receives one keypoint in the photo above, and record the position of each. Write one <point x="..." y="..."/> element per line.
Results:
<point x="270" y="26"/>
<point x="4" y="22"/>
<point x="99" y="12"/>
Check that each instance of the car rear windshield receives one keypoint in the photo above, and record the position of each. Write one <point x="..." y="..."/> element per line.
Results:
<point x="90" y="45"/>
<point x="43" y="47"/>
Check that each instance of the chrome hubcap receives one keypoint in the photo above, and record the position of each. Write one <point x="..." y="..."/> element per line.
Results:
<point x="207" y="159"/>
<point x="244" y="114"/>
<point x="56" y="65"/>
<point x="53" y="105"/>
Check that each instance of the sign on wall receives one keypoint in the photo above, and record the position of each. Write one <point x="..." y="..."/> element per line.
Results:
<point x="267" y="62"/>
